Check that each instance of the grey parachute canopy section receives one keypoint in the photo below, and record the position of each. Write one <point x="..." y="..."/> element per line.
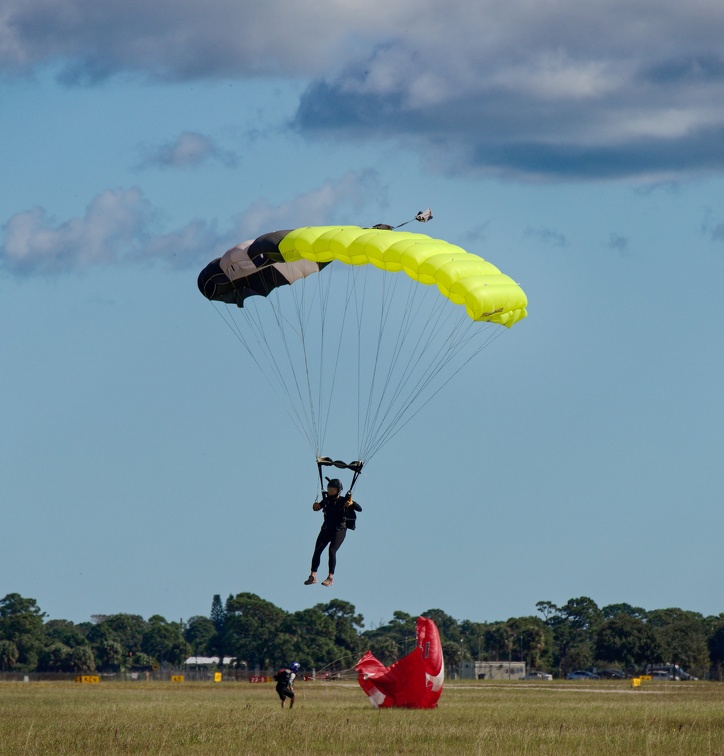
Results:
<point x="249" y="270"/>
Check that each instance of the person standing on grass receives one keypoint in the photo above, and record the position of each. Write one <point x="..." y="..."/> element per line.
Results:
<point x="339" y="514"/>
<point x="285" y="683"/>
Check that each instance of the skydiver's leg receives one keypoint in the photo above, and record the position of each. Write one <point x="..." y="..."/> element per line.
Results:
<point x="323" y="539"/>
<point x="337" y="541"/>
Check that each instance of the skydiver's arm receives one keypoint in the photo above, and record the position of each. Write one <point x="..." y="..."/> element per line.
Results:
<point x="317" y="506"/>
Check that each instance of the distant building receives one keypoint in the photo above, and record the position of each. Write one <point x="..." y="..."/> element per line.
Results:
<point x="207" y="661"/>
<point x="491" y="670"/>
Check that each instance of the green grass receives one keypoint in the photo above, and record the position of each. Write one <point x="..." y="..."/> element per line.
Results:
<point x="475" y="718"/>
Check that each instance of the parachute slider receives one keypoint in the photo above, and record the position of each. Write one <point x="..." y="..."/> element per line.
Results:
<point x="355" y="466"/>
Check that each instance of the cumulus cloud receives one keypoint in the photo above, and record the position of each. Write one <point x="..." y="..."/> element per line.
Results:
<point x="189" y="149"/>
<point x="558" y="90"/>
<point x="347" y="200"/>
<point x="181" y="39"/>
<point x="115" y="221"/>
<point x="121" y="227"/>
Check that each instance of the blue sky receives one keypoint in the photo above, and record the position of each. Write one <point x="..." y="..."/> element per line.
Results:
<point x="145" y="467"/>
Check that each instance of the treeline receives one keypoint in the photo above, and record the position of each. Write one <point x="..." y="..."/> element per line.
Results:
<point x="259" y="635"/>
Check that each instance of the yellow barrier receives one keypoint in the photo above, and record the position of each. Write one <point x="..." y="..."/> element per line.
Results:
<point x="635" y="682"/>
<point x="87" y="679"/>
<point x="177" y="678"/>
<point x="217" y="676"/>
<point x="646" y="677"/>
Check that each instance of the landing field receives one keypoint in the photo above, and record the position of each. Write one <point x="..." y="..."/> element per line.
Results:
<point x="473" y="718"/>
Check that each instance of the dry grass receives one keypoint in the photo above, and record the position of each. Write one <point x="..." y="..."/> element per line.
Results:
<point x="239" y="718"/>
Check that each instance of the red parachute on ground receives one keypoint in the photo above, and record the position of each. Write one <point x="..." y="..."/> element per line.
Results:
<point x="413" y="682"/>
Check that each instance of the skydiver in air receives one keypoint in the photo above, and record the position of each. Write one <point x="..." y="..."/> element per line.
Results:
<point x="340" y="513"/>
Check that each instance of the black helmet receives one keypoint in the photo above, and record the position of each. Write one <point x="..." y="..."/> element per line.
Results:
<point x="335" y="483"/>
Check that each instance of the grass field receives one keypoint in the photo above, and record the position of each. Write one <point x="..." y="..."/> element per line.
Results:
<point x="473" y="718"/>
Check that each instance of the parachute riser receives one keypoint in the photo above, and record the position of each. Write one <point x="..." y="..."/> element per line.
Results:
<point x="355" y="466"/>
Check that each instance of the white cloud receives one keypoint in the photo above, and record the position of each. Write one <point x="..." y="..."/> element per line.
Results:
<point x="348" y="198"/>
<point x="524" y="88"/>
<point x="189" y="149"/>
<point x="115" y="221"/>
<point x="121" y="227"/>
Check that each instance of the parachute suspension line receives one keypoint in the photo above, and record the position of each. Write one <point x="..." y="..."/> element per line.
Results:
<point x="399" y="372"/>
<point x="288" y="373"/>
<point x="427" y="375"/>
<point x="360" y="304"/>
<point x="384" y="401"/>
<point x="421" y="348"/>
<point x="324" y="292"/>
<point x="300" y="409"/>
<point x="299" y="298"/>
<point x="495" y="332"/>
<point x="340" y="341"/>
<point x="296" y="410"/>
<point x="389" y="289"/>
<point x="272" y="367"/>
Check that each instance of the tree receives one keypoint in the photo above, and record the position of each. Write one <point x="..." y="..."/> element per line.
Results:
<point x="574" y="627"/>
<point x="497" y="637"/>
<point x="547" y="608"/>
<point x="472" y="634"/>
<point x="109" y="655"/>
<point x="165" y="642"/>
<point x="582" y="614"/>
<point x="64" y="632"/>
<point x="129" y="630"/>
<point x="312" y="633"/>
<point x="626" y="640"/>
<point x="346" y="624"/>
<point x="218" y="613"/>
<point x="55" y="658"/>
<point x="250" y="629"/>
<point x="612" y="610"/>
<point x="8" y="655"/>
<point x="716" y="649"/>
<point x="532" y="639"/>
<point x="199" y="634"/>
<point x="21" y="622"/>
<point x="108" y="652"/>
<point x="82" y="659"/>
<point x="682" y="638"/>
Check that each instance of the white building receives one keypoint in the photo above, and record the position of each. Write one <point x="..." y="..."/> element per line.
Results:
<point x="492" y="670"/>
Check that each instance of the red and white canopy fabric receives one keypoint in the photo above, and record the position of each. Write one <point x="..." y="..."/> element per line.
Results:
<point x="413" y="682"/>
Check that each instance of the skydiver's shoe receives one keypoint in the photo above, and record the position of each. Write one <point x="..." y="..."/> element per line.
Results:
<point x="328" y="581"/>
<point x="310" y="580"/>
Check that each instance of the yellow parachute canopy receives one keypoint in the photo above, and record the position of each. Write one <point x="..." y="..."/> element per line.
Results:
<point x="464" y="278"/>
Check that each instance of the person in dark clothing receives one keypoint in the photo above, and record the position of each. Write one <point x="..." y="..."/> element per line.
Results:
<point x="339" y="511"/>
<point x="285" y="683"/>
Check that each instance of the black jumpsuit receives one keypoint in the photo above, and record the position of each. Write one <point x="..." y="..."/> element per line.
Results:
<point x="333" y="531"/>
